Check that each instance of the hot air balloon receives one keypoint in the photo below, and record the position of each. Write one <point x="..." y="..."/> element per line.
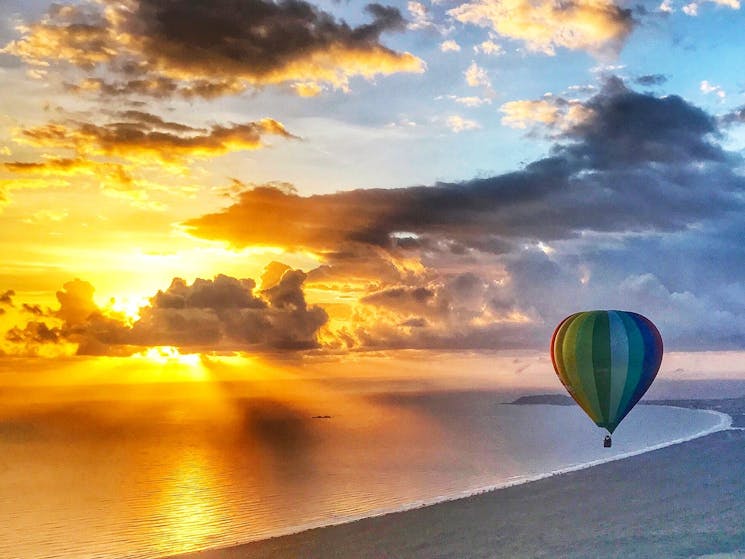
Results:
<point x="606" y="360"/>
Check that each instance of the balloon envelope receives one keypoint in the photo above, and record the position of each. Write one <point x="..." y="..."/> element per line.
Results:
<point x="606" y="360"/>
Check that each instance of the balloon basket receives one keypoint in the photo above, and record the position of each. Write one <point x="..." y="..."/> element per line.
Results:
<point x="607" y="442"/>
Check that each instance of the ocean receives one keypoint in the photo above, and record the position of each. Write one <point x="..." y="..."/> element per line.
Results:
<point x="133" y="473"/>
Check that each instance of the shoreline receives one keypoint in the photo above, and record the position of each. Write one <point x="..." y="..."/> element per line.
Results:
<point x="725" y="423"/>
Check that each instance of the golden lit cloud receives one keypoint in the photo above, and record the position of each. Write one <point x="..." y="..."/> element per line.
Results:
<point x="489" y="47"/>
<point x="149" y="141"/>
<point x="110" y="174"/>
<point x="112" y="178"/>
<point x="553" y="112"/>
<point x="545" y="25"/>
<point x="459" y="310"/>
<point x="449" y="46"/>
<point x="181" y="48"/>
<point x="307" y="89"/>
<point x="283" y="218"/>
<point x="457" y="123"/>
<point x="128" y="156"/>
<point x="476" y="76"/>
<point x="224" y="313"/>
<point x="471" y="264"/>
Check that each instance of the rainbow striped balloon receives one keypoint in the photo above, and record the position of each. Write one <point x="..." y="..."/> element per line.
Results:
<point x="606" y="360"/>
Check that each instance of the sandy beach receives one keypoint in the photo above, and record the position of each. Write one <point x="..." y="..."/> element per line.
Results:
<point x="685" y="500"/>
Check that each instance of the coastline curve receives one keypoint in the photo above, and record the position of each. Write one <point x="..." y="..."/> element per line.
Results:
<point x="725" y="423"/>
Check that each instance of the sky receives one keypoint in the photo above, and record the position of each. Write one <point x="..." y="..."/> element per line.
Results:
<point x="254" y="177"/>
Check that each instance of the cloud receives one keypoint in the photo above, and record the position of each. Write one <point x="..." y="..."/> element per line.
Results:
<point x="162" y="49"/>
<point x="449" y="46"/>
<point x="636" y="205"/>
<point x="666" y="6"/>
<point x="420" y="14"/>
<point x="630" y="147"/>
<point x="633" y="128"/>
<point x="472" y="101"/>
<point x="476" y="76"/>
<point x="36" y="310"/>
<point x="691" y="9"/>
<point x="53" y="166"/>
<point x="554" y="112"/>
<point x="6" y="297"/>
<point x="489" y="47"/>
<point x="111" y="177"/>
<point x="736" y="116"/>
<point x="34" y="333"/>
<point x="734" y="4"/>
<point x="272" y="274"/>
<point x="651" y="79"/>
<point x="638" y="185"/>
<point x="224" y="313"/>
<point x="707" y="88"/>
<point x="285" y="219"/>
<point x="141" y="137"/>
<point x="307" y="89"/>
<point x="594" y="25"/>
<point x="468" y="101"/>
<point x="120" y="153"/>
<point x="462" y="310"/>
<point x="457" y="124"/>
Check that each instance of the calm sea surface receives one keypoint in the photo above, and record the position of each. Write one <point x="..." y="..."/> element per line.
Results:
<point x="150" y="476"/>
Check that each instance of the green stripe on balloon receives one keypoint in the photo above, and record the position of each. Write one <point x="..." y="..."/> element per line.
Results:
<point x="583" y="350"/>
<point x="601" y="364"/>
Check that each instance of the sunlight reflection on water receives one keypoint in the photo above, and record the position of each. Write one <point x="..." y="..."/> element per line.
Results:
<point x="190" y="502"/>
<point x="145" y="479"/>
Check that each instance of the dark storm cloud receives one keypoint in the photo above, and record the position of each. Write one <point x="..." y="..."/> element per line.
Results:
<point x="736" y="116"/>
<point x="649" y="80"/>
<point x="628" y="198"/>
<point x="631" y="128"/>
<point x="258" y="35"/>
<point x="213" y="48"/>
<point x="632" y="149"/>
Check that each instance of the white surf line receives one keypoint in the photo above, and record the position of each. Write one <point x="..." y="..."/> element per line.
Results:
<point x="725" y="424"/>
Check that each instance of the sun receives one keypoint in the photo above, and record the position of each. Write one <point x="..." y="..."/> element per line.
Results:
<point x="129" y="306"/>
<point x="186" y="366"/>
